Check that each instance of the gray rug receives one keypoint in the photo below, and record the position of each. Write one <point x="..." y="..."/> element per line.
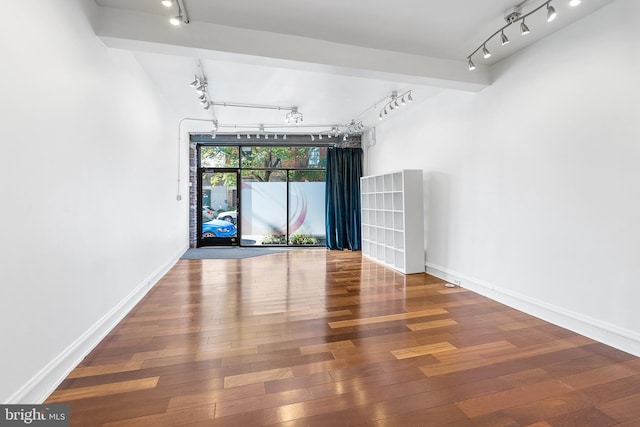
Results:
<point x="231" y="252"/>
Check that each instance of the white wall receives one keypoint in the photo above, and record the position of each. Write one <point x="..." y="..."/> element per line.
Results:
<point x="89" y="218"/>
<point x="532" y="185"/>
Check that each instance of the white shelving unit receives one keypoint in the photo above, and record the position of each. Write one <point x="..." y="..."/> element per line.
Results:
<point x="393" y="220"/>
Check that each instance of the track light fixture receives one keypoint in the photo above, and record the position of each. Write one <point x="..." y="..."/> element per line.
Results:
<point x="294" y="116"/>
<point x="551" y="13"/>
<point x="503" y="38"/>
<point x="201" y="85"/>
<point x="511" y="17"/>
<point x="294" y="119"/>
<point x="396" y="101"/>
<point x="181" y="17"/>
<point x="485" y="52"/>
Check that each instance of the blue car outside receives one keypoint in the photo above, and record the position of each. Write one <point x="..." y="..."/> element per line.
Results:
<point x="218" y="228"/>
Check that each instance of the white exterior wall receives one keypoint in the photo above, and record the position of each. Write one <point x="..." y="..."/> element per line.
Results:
<point x="532" y="185"/>
<point x="90" y="218"/>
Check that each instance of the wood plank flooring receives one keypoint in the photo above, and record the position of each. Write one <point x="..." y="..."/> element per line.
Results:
<point x="327" y="338"/>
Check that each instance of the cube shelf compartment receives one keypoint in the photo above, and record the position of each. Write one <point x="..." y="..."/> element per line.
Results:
<point x="393" y="220"/>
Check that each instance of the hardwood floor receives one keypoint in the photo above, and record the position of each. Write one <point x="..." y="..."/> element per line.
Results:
<point x="326" y="338"/>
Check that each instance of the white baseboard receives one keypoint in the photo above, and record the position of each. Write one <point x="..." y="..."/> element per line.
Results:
<point x="38" y="388"/>
<point x="606" y="333"/>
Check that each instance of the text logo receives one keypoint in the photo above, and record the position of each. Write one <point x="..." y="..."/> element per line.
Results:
<point x="34" y="415"/>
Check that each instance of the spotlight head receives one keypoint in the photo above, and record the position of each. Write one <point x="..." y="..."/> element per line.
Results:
<point x="403" y="101"/>
<point x="551" y="13"/>
<point x="213" y="134"/>
<point x="176" y="20"/>
<point x="238" y="136"/>
<point x="195" y="83"/>
<point x="409" y="97"/>
<point x="167" y="3"/>
<point x="284" y="136"/>
<point x="485" y="52"/>
<point x="524" y="29"/>
<point x="472" y="66"/>
<point x="380" y="116"/>
<point x="504" y="38"/>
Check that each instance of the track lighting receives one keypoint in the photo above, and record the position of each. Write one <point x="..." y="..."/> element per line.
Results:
<point x="504" y="39"/>
<point x="294" y="116"/>
<point x="551" y="13"/>
<point x="181" y="17"/>
<point x="485" y="52"/>
<point x="394" y="103"/>
<point x="511" y="17"/>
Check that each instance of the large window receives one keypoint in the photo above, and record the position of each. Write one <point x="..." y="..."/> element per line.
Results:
<point x="281" y="191"/>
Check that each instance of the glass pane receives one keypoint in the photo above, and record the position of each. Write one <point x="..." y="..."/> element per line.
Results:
<point x="307" y="208"/>
<point x="218" y="157"/>
<point x="284" y="157"/>
<point x="264" y="208"/>
<point x="219" y="208"/>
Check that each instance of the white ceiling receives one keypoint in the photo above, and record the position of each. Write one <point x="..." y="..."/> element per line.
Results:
<point x="334" y="59"/>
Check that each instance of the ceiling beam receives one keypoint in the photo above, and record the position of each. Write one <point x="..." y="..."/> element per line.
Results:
<point x="132" y="30"/>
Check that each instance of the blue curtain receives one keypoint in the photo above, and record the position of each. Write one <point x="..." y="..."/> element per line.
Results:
<point x="344" y="170"/>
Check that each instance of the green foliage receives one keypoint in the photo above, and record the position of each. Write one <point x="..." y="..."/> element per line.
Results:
<point x="275" y="239"/>
<point x="303" y="239"/>
<point x="267" y="159"/>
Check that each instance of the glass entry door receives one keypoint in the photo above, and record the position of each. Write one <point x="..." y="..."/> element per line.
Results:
<point x="218" y="201"/>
